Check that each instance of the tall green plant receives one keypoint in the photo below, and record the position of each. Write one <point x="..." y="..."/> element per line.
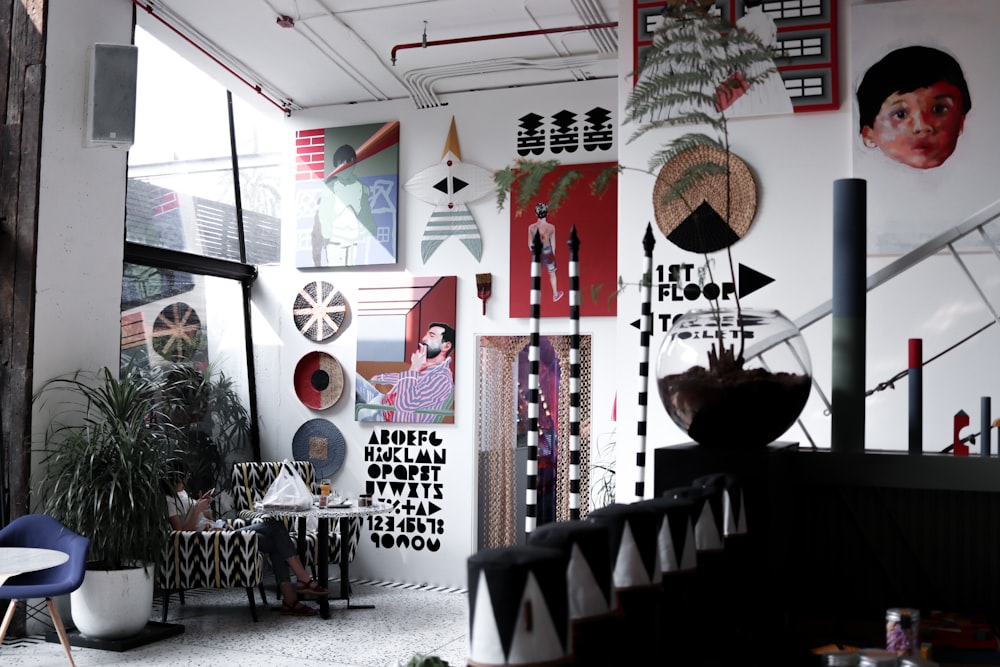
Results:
<point x="212" y="421"/>
<point x="102" y="458"/>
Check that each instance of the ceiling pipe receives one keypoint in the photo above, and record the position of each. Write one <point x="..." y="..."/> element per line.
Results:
<point x="151" y="11"/>
<point x="504" y="35"/>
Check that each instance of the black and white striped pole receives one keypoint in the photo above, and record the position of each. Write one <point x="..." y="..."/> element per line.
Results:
<point x="574" y="375"/>
<point x="645" y="327"/>
<point x="531" y="478"/>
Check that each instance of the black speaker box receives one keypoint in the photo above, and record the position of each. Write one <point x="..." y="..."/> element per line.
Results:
<point x="111" y="95"/>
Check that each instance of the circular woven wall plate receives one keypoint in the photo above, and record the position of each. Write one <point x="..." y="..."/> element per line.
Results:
<point x="322" y="444"/>
<point x="697" y="222"/>
<point x="319" y="380"/>
<point x="319" y="311"/>
<point x="176" y="331"/>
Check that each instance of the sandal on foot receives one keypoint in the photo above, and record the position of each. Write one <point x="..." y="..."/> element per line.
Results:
<point x="298" y="609"/>
<point x="310" y="587"/>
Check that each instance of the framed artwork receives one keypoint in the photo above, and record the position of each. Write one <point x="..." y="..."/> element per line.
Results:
<point x="805" y="31"/>
<point x="406" y="350"/>
<point x="595" y="218"/>
<point x="920" y="138"/>
<point x="346" y="194"/>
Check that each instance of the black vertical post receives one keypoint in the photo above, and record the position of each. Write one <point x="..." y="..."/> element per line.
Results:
<point x="849" y="239"/>
<point x="574" y="375"/>
<point x="916" y="379"/>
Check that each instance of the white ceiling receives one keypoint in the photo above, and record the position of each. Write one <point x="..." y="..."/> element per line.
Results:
<point x="340" y="51"/>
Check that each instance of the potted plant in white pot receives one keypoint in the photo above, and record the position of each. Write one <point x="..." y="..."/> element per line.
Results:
<point x="99" y="475"/>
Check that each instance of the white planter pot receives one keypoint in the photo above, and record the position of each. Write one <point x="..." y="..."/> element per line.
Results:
<point x="113" y="604"/>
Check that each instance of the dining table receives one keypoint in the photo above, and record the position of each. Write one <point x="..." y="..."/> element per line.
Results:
<point x="323" y="516"/>
<point x="18" y="560"/>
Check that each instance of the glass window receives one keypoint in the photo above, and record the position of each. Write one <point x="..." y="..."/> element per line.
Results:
<point x="182" y="197"/>
<point x="181" y="193"/>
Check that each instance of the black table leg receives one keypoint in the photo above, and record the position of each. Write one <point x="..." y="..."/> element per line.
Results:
<point x="324" y="564"/>
<point x="345" y="564"/>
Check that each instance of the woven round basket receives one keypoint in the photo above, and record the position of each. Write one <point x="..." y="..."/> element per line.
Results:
<point x="697" y="222"/>
<point x="319" y="380"/>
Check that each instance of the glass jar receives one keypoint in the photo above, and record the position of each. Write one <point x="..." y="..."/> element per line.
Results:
<point x="902" y="631"/>
<point x="733" y="380"/>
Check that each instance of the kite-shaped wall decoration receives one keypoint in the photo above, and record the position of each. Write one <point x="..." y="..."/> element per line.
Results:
<point x="449" y="185"/>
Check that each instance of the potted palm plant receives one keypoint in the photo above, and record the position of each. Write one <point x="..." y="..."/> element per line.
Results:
<point x="102" y="456"/>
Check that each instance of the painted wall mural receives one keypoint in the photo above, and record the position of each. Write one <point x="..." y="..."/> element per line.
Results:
<point x="565" y="131"/>
<point x="346" y="195"/>
<point x="404" y="469"/>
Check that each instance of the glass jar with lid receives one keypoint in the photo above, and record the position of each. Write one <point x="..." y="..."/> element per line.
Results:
<point x="902" y="631"/>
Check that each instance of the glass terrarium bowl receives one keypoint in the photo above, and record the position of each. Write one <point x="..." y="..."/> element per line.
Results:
<point x="733" y="381"/>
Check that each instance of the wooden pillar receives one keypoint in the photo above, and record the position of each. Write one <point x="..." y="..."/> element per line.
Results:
<point x="22" y="88"/>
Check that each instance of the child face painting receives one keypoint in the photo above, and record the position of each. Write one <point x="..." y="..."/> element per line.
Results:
<point x="919" y="129"/>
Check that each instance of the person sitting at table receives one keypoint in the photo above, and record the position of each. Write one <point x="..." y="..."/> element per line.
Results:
<point x="186" y="513"/>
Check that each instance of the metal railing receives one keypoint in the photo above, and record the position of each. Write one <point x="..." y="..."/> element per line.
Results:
<point x="975" y="223"/>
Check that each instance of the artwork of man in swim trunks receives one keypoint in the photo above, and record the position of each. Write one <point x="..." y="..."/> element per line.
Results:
<point x="547" y="233"/>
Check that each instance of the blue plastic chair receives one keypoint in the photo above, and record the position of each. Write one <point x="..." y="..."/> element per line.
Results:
<point x="43" y="532"/>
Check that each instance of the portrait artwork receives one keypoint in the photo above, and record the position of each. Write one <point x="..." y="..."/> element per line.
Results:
<point x="920" y="91"/>
<point x="406" y="350"/>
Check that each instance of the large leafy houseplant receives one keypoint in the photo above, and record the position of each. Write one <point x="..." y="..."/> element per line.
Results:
<point x="102" y="458"/>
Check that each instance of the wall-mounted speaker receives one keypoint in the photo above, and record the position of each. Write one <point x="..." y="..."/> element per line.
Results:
<point x="111" y="89"/>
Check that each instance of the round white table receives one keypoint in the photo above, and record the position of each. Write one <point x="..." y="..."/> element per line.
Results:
<point x="323" y="517"/>
<point x="18" y="560"/>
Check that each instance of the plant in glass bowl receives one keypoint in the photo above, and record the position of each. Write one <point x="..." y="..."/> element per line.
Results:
<point x="696" y="69"/>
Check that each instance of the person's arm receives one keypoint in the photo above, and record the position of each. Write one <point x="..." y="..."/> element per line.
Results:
<point x="423" y="391"/>
<point x="385" y="378"/>
<point x="188" y="516"/>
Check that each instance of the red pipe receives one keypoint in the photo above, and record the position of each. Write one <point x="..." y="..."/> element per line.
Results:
<point x="151" y="12"/>
<point x="503" y="35"/>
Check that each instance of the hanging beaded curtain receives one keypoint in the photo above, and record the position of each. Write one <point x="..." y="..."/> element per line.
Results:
<point x="497" y="424"/>
<point x="561" y="344"/>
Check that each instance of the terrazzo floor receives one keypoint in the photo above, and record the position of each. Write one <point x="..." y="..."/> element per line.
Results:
<point x="219" y="631"/>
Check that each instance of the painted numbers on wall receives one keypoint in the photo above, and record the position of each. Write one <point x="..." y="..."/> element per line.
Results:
<point x="404" y="470"/>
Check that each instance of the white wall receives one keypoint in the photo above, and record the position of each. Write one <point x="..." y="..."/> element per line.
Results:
<point x="81" y="205"/>
<point x="795" y="158"/>
<point x="486" y="125"/>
